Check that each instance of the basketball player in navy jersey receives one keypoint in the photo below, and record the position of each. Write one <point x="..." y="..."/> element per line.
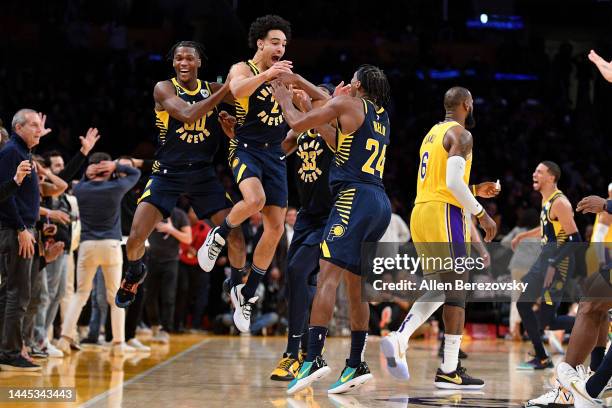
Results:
<point x="361" y="213"/>
<point x="312" y="164"/>
<point x="189" y="136"/>
<point x="256" y="158"/>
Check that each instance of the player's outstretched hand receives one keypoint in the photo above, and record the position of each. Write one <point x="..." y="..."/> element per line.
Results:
<point x="228" y="124"/>
<point x="591" y="204"/>
<point x="342" y="89"/>
<point x="603" y="66"/>
<point x="488" y="189"/>
<point x="281" y="93"/>
<point x="278" y="68"/>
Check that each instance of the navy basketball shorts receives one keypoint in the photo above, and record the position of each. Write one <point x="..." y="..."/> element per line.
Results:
<point x="361" y="213"/>
<point x="202" y="186"/>
<point x="268" y="164"/>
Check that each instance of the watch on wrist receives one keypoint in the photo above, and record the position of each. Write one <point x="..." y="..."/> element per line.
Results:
<point x="21" y="229"/>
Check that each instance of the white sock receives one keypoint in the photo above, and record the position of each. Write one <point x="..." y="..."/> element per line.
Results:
<point x="418" y="314"/>
<point x="452" y="342"/>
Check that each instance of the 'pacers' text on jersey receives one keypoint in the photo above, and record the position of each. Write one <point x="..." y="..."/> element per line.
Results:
<point x="259" y="117"/>
<point x="312" y="171"/>
<point x="187" y="143"/>
<point x="360" y="156"/>
<point x="431" y="180"/>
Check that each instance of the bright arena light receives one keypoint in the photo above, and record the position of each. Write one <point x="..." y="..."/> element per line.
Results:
<point x="484" y="18"/>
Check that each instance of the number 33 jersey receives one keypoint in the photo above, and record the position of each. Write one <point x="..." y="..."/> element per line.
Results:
<point x="183" y="143"/>
<point x="360" y="155"/>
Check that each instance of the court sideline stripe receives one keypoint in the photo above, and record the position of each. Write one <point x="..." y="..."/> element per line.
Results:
<point x="106" y="393"/>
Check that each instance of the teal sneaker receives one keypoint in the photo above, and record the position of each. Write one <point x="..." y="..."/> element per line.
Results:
<point x="351" y="378"/>
<point x="310" y="371"/>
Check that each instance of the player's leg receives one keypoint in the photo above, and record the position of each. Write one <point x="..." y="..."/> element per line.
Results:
<point x="253" y="200"/>
<point x="236" y="249"/>
<point x="314" y="367"/>
<point x="243" y="295"/>
<point x="301" y="261"/>
<point x="145" y="219"/>
<point x="356" y="372"/>
<point x="599" y="351"/>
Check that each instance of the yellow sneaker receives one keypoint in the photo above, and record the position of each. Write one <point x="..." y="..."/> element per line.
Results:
<point x="286" y="369"/>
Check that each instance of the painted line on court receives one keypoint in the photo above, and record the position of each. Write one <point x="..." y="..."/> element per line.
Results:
<point x="116" y="388"/>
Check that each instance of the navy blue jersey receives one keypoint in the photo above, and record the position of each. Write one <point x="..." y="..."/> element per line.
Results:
<point x="552" y="231"/>
<point x="259" y="117"/>
<point x="360" y="156"/>
<point x="183" y="143"/>
<point x="312" y="171"/>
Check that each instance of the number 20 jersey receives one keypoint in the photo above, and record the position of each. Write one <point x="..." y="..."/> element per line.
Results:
<point x="360" y="156"/>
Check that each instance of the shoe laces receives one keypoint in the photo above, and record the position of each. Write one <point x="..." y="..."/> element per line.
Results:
<point x="247" y="308"/>
<point x="462" y="372"/>
<point x="286" y="363"/>
<point x="130" y="287"/>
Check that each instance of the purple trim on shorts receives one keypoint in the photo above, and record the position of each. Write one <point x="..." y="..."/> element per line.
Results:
<point x="457" y="230"/>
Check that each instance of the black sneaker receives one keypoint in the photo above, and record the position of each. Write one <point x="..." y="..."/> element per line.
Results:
<point x="462" y="354"/>
<point x="457" y="380"/>
<point x="89" y="342"/>
<point x="310" y="371"/>
<point x="129" y="286"/>
<point x="35" y="352"/>
<point x="351" y="378"/>
<point x="536" y="363"/>
<point x="18" y="363"/>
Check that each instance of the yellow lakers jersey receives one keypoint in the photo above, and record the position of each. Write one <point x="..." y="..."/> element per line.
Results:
<point x="608" y="237"/>
<point x="431" y="180"/>
<point x="552" y="231"/>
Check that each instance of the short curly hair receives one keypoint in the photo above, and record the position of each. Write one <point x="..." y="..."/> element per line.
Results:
<point x="260" y="27"/>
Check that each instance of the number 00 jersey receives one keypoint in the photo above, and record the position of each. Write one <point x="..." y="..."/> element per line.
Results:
<point x="187" y="143"/>
<point x="431" y="180"/>
<point x="259" y="117"/>
<point x="360" y="156"/>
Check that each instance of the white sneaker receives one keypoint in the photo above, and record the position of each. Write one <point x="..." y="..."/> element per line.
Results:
<point x="121" y="349"/>
<point x="63" y="344"/>
<point x="209" y="251"/>
<point x="242" y="308"/>
<point x="554" y="342"/>
<point x="160" y="336"/>
<point x="138" y="346"/>
<point x="395" y="354"/>
<point x="53" y="351"/>
<point x="572" y="380"/>
<point x="558" y="396"/>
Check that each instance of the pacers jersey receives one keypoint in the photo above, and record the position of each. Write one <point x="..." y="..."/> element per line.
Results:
<point x="360" y="155"/>
<point x="186" y="143"/>
<point x="312" y="171"/>
<point x="259" y="117"/>
<point x="431" y="180"/>
<point x="552" y="231"/>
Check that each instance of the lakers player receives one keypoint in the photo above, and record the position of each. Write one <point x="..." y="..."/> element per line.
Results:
<point x="440" y="226"/>
<point x="256" y="158"/>
<point x="592" y="318"/>
<point x="548" y="275"/>
<point x="189" y="137"/>
<point x="312" y="165"/>
<point x="361" y="213"/>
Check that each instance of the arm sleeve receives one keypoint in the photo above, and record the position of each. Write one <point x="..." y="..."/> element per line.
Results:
<point x="7" y="189"/>
<point x="73" y="167"/>
<point x="455" y="168"/>
<point x="599" y="234"/>
<point x="130" y="179"/>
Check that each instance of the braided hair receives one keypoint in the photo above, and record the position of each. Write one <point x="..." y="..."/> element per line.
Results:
<point x="375" y="84"/>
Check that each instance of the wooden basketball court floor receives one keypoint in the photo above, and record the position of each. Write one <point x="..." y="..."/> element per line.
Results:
<point x="222" y="371"/>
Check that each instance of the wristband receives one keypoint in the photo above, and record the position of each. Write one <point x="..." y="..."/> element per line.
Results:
<point x="480" y="214"/>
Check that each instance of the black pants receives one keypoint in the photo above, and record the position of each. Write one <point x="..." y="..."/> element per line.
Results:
<point x="182" y="296"/>
<point x="161" y="283"/>
<point x="15" y="288"/>
<point x="199" y="290"/>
